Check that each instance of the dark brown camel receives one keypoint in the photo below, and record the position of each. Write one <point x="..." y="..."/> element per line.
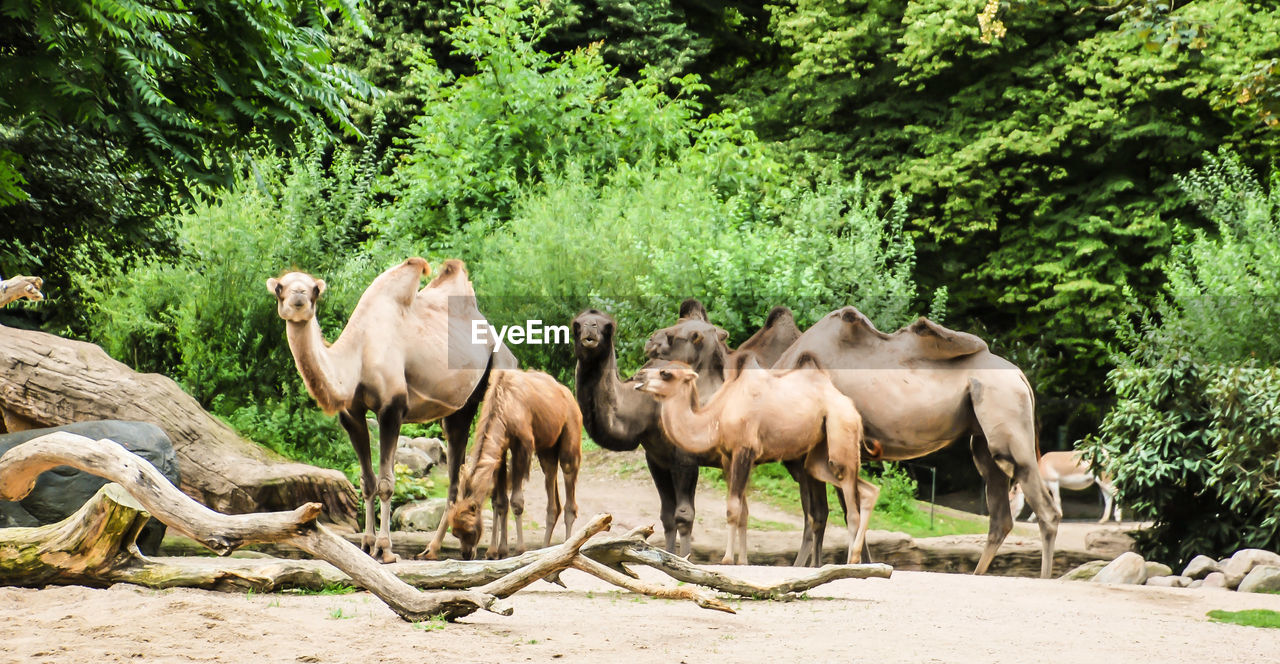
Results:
<point x="525" y="413"/>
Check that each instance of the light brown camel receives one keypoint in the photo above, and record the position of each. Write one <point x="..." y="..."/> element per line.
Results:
<point x="524" y="413"/>
<point x="405" y="355"/>
<point x="924" y="387"/>
<point x="18" y="287"/>
<point x="767" y="416"/>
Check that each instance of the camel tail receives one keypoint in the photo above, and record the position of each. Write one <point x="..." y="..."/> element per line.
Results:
<point x="1035" y="430"/>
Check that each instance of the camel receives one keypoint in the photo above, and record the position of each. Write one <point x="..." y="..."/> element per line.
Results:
<point x="1073" y="471"/>
<point x="924" y="387"/>
<point x="767" y="416"/>
<point x="402" y="356"/>
<point x="18" y="287"/>
<point x="524" y="413"/>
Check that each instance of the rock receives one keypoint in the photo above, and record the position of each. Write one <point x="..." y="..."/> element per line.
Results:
<point x="1196" y="584"/>
<point x="60" y="492"/>
<point x="1201" y="566"/>
<point x="423" y="515"/>
<point x="420" y="454"/>
<point x="1157" y="569"/>
<point x="1128" y="568"/>
<point x="1086" y="571"/>
<point x="1108" y="543"/>
<point x="1261" y="579"/>
<point x="1214" y="580"/>
<point x="1168" y="581"/>
<point x="1245" y="560"/>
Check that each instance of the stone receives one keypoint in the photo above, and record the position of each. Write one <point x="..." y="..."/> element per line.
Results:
<point x="1214" y="580"/>
<point x="1245" y="560"/>
<point x="1261" y="579"/>
<point x="1128" y="568"/>
<point x="1168" y="581"/>
<point x="1086" y="571"/>
<point x="1201" y="566"/>
<point x="1196" y="583"/>
<point x="1108" y="543"/>
<point x="60" y="492"/>
<point x="420" y="454"/>
<point x="1157" y="569"/>
<point x="422" y="515"/>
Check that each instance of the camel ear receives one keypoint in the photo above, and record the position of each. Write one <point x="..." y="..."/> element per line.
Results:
<point x="722" y="333"/>
<point x="273" y="285"/>
<point x="692" y="375"/>
<point x="696" y="338"/>
<point x="320" y="286"/>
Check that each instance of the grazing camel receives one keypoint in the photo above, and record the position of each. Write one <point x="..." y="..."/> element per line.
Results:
<point x="18" y="287"/>
<point x="403" y="355"/>
<point x="924" y="387"/>
<point x="767" y="416"/>
<point x="524" y="413"/>
<point x="1070" y="470"/>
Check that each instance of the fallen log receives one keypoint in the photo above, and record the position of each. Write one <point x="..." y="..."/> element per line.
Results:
<point x="47" y="381"/>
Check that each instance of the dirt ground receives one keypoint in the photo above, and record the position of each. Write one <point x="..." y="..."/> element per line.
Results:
<point x="912" y="617"/>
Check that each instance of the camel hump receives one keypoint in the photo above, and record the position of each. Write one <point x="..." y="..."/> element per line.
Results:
<point x="777" y="314"/>
<point x="420" y="263"/>
<point x="810" y="360"/>
<point x="936" y="342"/>
<point x="692" y="308"/>
<point x="451" y="269"/>
<point x="743" y="360"/>
<point x="857" y="324"/>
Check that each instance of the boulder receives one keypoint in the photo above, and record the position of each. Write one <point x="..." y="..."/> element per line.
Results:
<point x="1157" y="569"/>
<point x="1128" y="568"/>
<point x="1168" y="581"/>
<point x="423" y="515"/>
<point x="420" y="454"/>
<point x="1214" y="580"/>
<point x="60" y="492"/>
<point x="1086" y="571"/>
<point x="1244" y="560"/>
<point x="1196" y="583"/>
<point x="1200" y="567"/>
<point x="1261" y="579"/>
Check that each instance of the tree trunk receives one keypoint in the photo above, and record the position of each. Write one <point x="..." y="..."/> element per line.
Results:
<point x="46" y="380"/>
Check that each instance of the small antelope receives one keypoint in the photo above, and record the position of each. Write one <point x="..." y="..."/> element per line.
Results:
<point x="1070" y="470"/>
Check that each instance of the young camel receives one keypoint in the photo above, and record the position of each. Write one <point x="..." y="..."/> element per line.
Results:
<point x="402" y="356"/>
<point x="767" y="416"/>
<point x="525" y="413"/>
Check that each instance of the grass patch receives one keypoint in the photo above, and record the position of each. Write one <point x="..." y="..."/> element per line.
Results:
<point x="1250" y="617"/>
<point x="765" y="524"/>
<point x="328" y="589"/>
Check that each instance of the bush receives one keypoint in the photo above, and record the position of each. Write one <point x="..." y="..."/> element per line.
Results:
<point x="1194" y="439"/>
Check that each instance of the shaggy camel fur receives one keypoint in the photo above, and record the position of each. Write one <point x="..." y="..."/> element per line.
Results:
<point x="403" y="355"/>
<point x="18" y="287"/>
<point x="767" y="416"/>
<point x="524" y="413"/>
<point x="924" y="387"/>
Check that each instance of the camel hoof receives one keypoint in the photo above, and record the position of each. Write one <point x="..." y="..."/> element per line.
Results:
<point x="367" y="544"/>
<point x="382" y="551"/>
<point x="427" y="554"/>
<point x="727" y="560"/>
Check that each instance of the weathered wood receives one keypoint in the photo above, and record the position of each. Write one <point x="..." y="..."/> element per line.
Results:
<point x="46" y="380"/>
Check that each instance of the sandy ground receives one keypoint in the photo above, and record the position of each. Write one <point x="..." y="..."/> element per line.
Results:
<point x="913" y="617"/>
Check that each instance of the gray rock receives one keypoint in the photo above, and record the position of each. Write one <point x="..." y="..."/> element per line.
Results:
<point x="1196" y="584"/>
<point x="420" y="454"/>
<point x="1128" y="568"/>
<point x="1157" y="569"/>
<point x="1261" y="579"/>
<point x="1214" y="580"/>
<point x="1201" y="566"/>
<point x="1168" y="581"/>
<point x="60" y="492"/>
<point x="423" y="515"/>
<point x="1086" y="571"/>
<point x="1245" y="560"/>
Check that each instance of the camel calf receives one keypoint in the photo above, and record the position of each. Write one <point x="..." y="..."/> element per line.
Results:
<point x="768" y="416"/>
<point x="1070" y="470"/>
<point x="525" y="413"/>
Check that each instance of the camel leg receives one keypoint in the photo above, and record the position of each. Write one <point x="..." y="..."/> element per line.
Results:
<point x="684" y="478"/>
<point x="358" y="431"/>
<point x="813" y="503"/>
<point x="997" y="486"/>
<point x="498" y="539"/>
<point x="866" y="494"/>
<point x="520" y="460"/>
<point x="547" y="461"/>
<point x="739" y="472"/>
<point x="457" y="428"/>
<point x="667" y="500"/>
<point x="570" y="460"/>
<point x="388" y="437"/>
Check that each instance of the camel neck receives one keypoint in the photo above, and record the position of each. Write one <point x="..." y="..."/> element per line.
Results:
<point x="601" y="396"/>
<point x="330" y="375"/>
<point x="687" y="423"/>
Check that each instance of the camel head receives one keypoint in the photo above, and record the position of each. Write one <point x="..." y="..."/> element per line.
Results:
<point x="665" y="381"/>
<point x="296" y="294"/>
<point x="592" y="333"/>
<point x="690" y="340"/>
<point x="464" y="521"/>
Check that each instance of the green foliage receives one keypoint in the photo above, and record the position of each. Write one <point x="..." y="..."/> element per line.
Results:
<point x="176" y="84"/>
<point x="1194" y="439"/>
<point x="1248" y="617"/>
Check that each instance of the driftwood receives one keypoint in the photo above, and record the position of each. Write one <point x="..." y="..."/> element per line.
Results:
<point x="46" y="381"/>
<point x="95" y="546"/>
